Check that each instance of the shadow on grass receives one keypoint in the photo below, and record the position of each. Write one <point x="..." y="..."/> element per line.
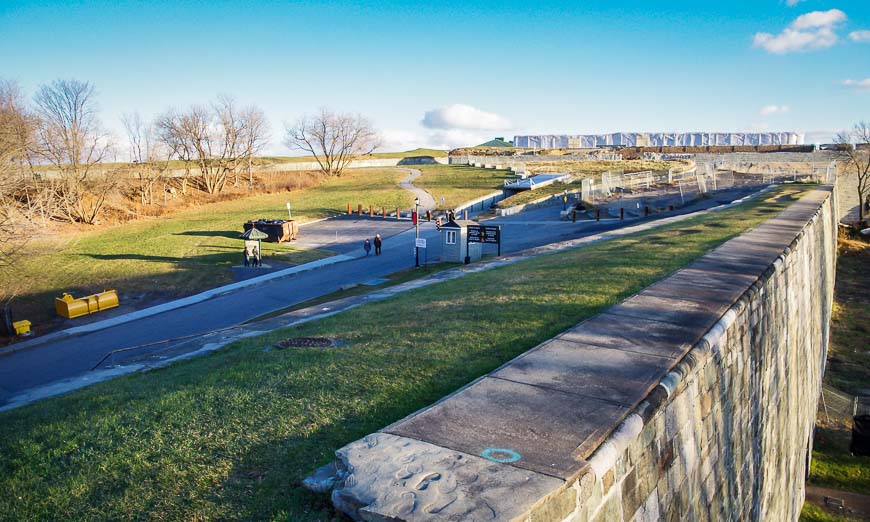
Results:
<point x="230" y="234"/>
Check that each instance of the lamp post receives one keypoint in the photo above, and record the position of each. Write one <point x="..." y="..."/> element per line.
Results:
<point x="416" y="232"/>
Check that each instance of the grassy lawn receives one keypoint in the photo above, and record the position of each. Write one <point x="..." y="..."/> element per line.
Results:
<point x="230" y="435"/>
<point x="459" y="183"/>
<point x="435" y="153"/>
<point x="186" y="252"/>
<point x="813" y="513"/>
<point x="848" y="370"/>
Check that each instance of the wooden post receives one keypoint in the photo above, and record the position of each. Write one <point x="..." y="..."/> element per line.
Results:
<point x="398" y="213"/>
<point x="359" y="209"/>
<point x="371" y="211"/>
<point x="384" y="212"/>
<point x="348" y="209"/>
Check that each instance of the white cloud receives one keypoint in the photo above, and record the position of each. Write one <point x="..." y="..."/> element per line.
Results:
<point x="858" y="85"/>
<point x="817" y="19"/>
<point x="403" y="139"/>
<point x="770" y="110"/>
<point x="808" y="31"/>
<point x="792" y="3"/>
<point x="459" y="116"/>
<point x="860" y="36"/>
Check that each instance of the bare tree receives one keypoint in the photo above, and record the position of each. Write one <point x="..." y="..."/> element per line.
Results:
<point x="216" y="139"/>
<point x="148" y="160"/>
<point x="69" y="136"/>
<point x="333" y="139"/>
<point x="16" y="126"/>
<point x="255" y="138"/>
<point x="855" y="151"/>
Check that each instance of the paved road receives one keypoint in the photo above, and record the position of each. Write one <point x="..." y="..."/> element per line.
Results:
<point x="73" y="356"/>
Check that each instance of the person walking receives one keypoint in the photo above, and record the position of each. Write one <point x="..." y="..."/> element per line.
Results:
<point x="378" y="244"/>
<point x="255" y="256"/>
<point x="367" y="246"/>
<point x="247" y="257"/>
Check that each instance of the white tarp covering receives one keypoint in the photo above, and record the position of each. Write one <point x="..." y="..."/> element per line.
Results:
<point x="659" y="139"/>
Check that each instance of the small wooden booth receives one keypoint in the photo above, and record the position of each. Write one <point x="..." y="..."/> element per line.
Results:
<point x="454" y="242"/>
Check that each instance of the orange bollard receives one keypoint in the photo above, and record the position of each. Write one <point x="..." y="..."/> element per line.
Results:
<point x="398" y="213"/>
<point x="348" y="209"/>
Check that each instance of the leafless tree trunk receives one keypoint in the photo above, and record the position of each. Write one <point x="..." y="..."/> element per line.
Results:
<point x="16" y="126"/>
<point x="148" y="161"/>
<point x="855" y="151"/>
<point x="333" y="139"/>
<point x="69" y="137"/>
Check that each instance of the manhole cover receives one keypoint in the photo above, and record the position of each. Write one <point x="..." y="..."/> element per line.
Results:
<point x="307" y="342"/>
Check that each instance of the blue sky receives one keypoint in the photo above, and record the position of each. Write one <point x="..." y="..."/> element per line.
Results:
<point x="478" y="69"/>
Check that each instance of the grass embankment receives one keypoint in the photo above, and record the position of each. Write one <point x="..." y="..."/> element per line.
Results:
<point x="230" y="435"/>
<point x="435" y="153"/>
<point x="186" y="252"/>
<point x="849" y="371"/>
<point x="459" y="183"/>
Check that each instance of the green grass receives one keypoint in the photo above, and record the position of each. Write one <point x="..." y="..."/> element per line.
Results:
<point x="230" y="435"/>
<point x="848" y="370"/>
<point x="458" y="183"/>
<point x="186" y="252"/>
<point x="814" y="513"/>
<point x="435" y="153"/>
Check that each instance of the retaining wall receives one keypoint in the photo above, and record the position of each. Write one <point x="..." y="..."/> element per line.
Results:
<point x="692" y="400"/>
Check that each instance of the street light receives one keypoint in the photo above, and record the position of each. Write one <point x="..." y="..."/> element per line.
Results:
<point x="416" y="232"/>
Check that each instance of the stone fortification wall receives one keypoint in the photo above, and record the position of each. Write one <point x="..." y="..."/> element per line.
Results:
<point x="692" y="400"/>
<point x="728" y="433"/>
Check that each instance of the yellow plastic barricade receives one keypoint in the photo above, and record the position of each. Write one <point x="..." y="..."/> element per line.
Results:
<point x="70" y="307"/>
<point x="21" y="327"/>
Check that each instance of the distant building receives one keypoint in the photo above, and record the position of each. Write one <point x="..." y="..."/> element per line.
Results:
<point x="657" y="139"/>
<point x="497" y="142"/>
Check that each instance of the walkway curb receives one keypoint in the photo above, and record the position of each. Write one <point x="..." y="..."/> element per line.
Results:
<point x="172" y="305"/>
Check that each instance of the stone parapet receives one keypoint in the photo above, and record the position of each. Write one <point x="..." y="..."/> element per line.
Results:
<point x="692" y="400"/>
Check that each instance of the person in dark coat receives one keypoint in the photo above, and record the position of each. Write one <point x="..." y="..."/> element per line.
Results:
<point x="367" y="246"/>
<point x="378" y="244"/>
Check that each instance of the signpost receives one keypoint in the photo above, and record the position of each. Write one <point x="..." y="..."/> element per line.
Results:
<point x="489" y="234"/>
<point x="419" y="243"/>
<point x="289" y="213"/>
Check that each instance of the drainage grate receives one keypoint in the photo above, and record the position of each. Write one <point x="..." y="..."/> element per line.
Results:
<point x="307" y="342"/>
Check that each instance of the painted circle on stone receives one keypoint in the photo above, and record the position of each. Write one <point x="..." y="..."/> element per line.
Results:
<point x="501" y="455"/>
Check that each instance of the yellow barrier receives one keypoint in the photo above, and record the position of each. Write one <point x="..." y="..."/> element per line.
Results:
<point x="70" y="307"/>
<point x="21" y="327"/>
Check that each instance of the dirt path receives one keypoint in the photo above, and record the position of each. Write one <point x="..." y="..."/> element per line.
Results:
<point x="427" y="202"/>
<point x="853" y="504"/>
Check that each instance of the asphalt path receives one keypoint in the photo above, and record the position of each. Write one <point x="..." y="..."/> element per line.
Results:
<point x="76" y="355"/>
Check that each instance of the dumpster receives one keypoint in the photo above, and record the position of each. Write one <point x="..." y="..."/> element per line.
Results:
<point x="70" y="307"/>
<point x="278" y="230"/>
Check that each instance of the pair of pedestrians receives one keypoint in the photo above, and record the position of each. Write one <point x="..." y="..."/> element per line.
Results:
<point x="367" y="245"/>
